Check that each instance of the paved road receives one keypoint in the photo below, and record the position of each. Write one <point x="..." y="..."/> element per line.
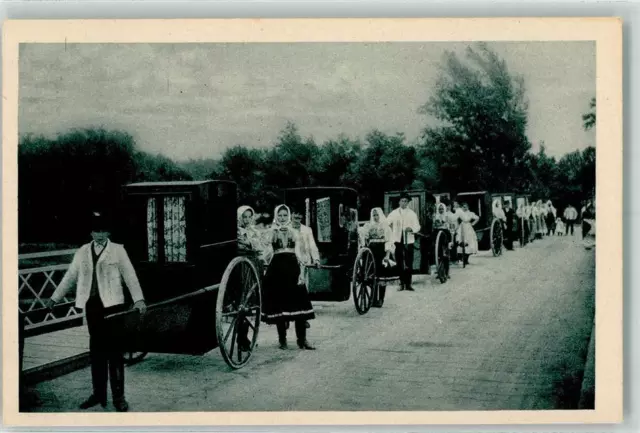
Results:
<point x="504" y="333"/>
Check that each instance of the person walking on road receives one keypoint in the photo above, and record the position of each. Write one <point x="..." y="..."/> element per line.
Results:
<point x="284" y="298"/>
<point x="467" y="234"/>
<point x="510" y="225"/>
<point x="97" y="271"/>
<point x="570" y="217"/>
<point x="404" y="224"/>
<point x="376" y="234"/>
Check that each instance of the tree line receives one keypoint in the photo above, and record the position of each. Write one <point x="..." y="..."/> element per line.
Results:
<point x="479" y="142"/>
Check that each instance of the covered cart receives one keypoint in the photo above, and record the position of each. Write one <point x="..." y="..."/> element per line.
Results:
<point x="345" y="270"/>
<point x="489" y="228"/>
<point x="181" y="238"/>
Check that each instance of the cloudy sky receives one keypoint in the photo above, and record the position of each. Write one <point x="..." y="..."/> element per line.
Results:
<point x="192" y="101"/>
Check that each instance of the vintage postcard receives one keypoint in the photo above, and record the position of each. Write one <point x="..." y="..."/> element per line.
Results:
<point x="312" y="221"/>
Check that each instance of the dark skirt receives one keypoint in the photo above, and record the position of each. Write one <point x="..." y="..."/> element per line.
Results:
<point x="283" y="299"/>
<point x="377" y="248"/>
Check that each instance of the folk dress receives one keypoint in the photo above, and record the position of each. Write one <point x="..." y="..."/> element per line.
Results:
<point x="250" y="241"/>
<point x="284" y="299"/>
<point x="377" y="236"/>
<point x="467" y="233"/>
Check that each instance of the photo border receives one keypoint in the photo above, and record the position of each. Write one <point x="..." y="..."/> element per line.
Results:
<point x="606" y="32"/>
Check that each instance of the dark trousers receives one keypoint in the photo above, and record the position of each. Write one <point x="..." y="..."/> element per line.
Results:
<point x="105" y="361"/>
<point x="404" y="257"/>
<point x="301" y="330"/>
<point x="570" y="224"/>
<point x="508" y="238"/>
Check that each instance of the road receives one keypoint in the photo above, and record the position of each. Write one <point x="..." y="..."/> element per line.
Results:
<point x="505" y="333"/>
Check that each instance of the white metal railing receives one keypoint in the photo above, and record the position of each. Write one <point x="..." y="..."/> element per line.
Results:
<point x="37" y="284"/>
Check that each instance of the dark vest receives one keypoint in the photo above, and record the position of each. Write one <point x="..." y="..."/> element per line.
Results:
<point x="94" y="279"/>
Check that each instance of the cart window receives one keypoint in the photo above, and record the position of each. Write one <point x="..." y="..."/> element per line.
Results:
<point x="323" y="209"/>
<point x="479" y="208"/>
<point x="152" y="231"/>
<point x="175" y="229"/>
<point x="414" y="205"/>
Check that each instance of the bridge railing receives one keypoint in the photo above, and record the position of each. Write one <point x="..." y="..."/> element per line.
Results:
<point x="36" y="284"/>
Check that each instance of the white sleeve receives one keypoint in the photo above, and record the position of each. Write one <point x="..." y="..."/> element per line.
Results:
<point x="129" y="275"/>
<point x="70" y="277"/>
<point x="415" y="224"/>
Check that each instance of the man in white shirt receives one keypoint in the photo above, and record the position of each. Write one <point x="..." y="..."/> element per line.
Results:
<point x="97" y="271"/>
<point x="404" y="223"/>
<point x="570" y="216"/>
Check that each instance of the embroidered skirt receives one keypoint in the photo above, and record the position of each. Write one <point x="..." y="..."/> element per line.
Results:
<point x="379" y="253"/>
<point x="283" y="298"/>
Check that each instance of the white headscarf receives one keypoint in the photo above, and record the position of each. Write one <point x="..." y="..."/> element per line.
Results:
<point x="241" y="211"/>
<point x="275" y="216"/>
<point x="382" y="219"/>
<point x="497" y="210"/>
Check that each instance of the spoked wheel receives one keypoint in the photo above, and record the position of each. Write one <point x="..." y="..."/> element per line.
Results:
<point x="496" y="237"/>
<point x="363" y="281"/>
<point x="522" y="232"/>
<point x="441" y="258"/>
<point x="238" y="310"/>
<point x="132" y="358"/>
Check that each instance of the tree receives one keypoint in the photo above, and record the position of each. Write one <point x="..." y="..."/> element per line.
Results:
<point x="62" y="179"/>
<point x="481" y="142"/>
<point x="589" y="118"/>
<point x="386" y="163"/>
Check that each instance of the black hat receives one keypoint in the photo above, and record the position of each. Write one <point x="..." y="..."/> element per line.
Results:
<point x="405" y="195"/>
<point x="99" y="221"/>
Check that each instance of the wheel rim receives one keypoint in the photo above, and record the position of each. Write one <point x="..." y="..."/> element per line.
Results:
<point x="238" y="311"/>
<point x="437" y="250"/>
<point x="363" y="281"/>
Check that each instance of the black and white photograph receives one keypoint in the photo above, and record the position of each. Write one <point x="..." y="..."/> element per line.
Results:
<point x="310" y="226"/>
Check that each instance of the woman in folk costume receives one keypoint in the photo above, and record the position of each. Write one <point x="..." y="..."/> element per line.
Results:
<point x="544" y="211"/>
<point x="589" y="225"/>
<point x="440" y="219"/>
<point x="249" y="238"/>
<point x="498" y="213"/>
<point x="535" y="213"/>
<point x="284" y="299"/>
<point x="453" y="220"/>
<point x="466" y="232"/>
<point x="376" y="234"/>
<point x="528" y="226"/>
<point x="551" y="218"/>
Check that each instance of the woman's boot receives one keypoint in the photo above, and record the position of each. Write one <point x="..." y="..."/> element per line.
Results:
<point x="282" y="335"/>
<point x="301" y="334"/>
<point x="380" y="298"/>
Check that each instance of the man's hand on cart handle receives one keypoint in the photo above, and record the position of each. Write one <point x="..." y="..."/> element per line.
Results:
<point x="141" y="306"/>
<point x="49" y="304"/>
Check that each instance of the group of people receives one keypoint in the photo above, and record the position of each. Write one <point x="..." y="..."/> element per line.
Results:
<point x="283" y="249"/>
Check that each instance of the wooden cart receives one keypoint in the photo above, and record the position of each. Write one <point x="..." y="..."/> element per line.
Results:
<point x="181" y="238"/>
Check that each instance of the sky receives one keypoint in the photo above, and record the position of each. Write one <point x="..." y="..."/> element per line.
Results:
<point x="196" y="100"/>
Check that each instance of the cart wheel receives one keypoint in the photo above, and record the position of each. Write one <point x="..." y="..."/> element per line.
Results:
<point x="440" y="253"/>
<point x="496" y="237"/>
<point x="363" y="281"/>
<point x="522" y="244"/>
<point x="132" y="358"/>
<point x="238" y="311"/>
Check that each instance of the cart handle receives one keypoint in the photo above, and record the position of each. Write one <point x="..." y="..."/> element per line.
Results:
<point x="323" y="266"/>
